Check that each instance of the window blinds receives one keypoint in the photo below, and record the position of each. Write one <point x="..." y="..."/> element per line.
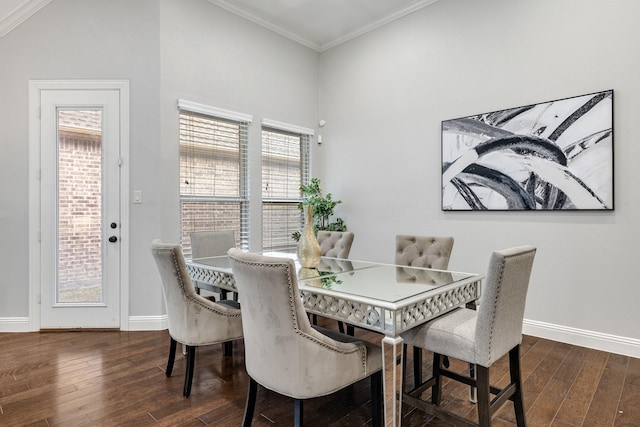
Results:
<point x="213" y="172"/>
<point x="285" y="167"/>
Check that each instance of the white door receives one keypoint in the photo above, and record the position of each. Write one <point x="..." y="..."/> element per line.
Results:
<point x="80" y="218"/>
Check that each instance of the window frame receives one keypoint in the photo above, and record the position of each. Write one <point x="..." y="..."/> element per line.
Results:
<point x="306" y="136"/>
<point x="243" y="121"/>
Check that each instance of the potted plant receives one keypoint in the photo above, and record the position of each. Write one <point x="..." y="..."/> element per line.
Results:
<point x="322" y="206"/>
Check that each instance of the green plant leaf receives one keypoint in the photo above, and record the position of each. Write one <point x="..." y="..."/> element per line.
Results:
<point x="323" y="208"/>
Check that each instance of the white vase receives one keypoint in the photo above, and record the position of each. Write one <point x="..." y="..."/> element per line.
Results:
<point x="308" y="248"/>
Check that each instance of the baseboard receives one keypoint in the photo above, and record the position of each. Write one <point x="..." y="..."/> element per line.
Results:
<point x="148" y="323"/>
<point x="15" y="324"/>
<point x="136" y="323"/>
<point x="596" y="340"/>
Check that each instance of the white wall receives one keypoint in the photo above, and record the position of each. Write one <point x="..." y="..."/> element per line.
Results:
<point x="383" y="97"/>
<point x="71" y="40"/>
<point x="168" y="49"/>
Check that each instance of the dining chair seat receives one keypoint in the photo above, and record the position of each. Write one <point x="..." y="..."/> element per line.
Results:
<point x="480" y="337"/>
<point x="283" y="352"/>
<point x="193" y="320"/>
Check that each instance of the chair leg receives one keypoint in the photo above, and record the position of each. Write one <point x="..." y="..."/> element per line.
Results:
<point x="376" y="399"/>
<point x="473" y="392"/>
<point x="516" y="378"/>
<point x="404" y="365"/>
<point x="297" y="413"/>
<point x="351" y="330"/>
<point x="251" y="403"/>
<point x="172" y="356"/>
<point x="436" y="389"/>
<point x="484" y="396"/>
<point x="188" y="375"/>
<point x="417" y="366"/>
<point x="227" y="348"/>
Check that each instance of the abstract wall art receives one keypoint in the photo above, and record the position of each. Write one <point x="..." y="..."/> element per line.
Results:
<point x="555" y="155"/>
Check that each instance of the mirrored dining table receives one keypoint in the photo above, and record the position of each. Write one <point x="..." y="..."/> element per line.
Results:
<point x="384" y="298"/>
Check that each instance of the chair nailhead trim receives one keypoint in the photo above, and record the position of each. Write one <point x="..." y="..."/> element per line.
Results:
<point x="362" y="350"/>
<point x="182" y="287"/>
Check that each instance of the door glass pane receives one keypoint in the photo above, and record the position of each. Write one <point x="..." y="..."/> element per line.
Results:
<point x="79" y="207"/>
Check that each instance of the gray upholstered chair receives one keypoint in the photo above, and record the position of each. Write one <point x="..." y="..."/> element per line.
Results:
<point x="193" y="320"/>
<point x="480" y="337"/>
<point x="335" y="244"/>
<point x="425" y="252"/>
<point x="283" y="352"/>
<point x="210" y="243"/>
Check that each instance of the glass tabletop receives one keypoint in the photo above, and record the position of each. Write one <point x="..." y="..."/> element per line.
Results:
<point x="382" y="282"/>
<point x="327" y="265"/>
<point x="359" y="279"/>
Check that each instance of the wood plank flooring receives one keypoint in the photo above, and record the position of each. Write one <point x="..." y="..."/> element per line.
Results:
<point x="107" y="378"/>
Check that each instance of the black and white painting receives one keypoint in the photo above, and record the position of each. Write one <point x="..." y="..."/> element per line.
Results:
<point x="555" y="155"/>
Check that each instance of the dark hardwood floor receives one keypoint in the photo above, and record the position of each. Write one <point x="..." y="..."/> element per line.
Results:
<point x="117" y="379"/>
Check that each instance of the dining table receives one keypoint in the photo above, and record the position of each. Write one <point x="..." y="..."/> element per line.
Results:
<point x="385" y="298"/>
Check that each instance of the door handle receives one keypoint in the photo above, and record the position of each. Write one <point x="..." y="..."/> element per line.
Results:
<point x="113" y="239"/>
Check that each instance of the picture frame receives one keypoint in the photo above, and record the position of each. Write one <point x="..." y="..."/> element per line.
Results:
<point x="555" y="155"/>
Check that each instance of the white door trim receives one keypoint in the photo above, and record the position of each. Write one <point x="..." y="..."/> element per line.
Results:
<point x="35" y="86"/>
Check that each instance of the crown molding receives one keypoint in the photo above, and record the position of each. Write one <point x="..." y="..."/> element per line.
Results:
<point x="20" y="14"/>
<point x="232" y="7"/>
<point x="379" y="23"/>
<point x="260" y="21"/>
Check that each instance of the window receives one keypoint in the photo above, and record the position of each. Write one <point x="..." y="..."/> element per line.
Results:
<point x="285" y="167"/>
<point x="213" y="172"/>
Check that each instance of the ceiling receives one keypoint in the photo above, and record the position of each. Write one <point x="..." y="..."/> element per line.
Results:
<point x="317" y="24"/>
<point x="322" y="24"/>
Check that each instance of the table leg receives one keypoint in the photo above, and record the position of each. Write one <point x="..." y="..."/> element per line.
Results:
<point x="392" y="379"/>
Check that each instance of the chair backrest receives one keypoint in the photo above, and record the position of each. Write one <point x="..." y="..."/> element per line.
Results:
<point x="501" y="310"/>
<point x="423" y="251"/>
<point x="282" y="351"/>
<point x="211" y="243"/>
<point x="335" y="244"/>
<point x="186" y="309"/>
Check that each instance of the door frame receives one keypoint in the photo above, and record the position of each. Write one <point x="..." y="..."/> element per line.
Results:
<point x="35" y="87"/>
